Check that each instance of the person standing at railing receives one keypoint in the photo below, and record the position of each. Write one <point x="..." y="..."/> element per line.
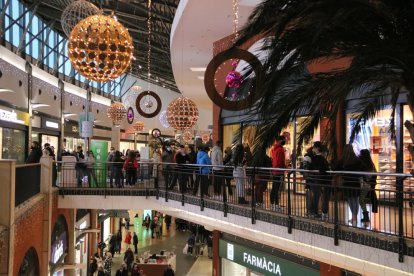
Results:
<point x="202" y="160"/>
<point x="110" y="159"/>
<point x="181" y="159"/>
<point x="116" y="168"/>
<point x="318" y="181"/>
<point x="227" y="161"/>
<point x="279" y="162"/>
<point x="261" y="179"/>
<point x="130" y="167"/>
<point x="80" y="165"/>
<point x="368" y="186"/>
<point x="218" y="172"/>
<point x="307" y="165"/>
<point x="156" y="160"/>
<point x="167" y="167"/>
<point x="90" y="163"/>
<point x="351" y="182"/>
<point x="239" y="173"/>
<point x="193" y="160"/>
<point x="35" y="153"/>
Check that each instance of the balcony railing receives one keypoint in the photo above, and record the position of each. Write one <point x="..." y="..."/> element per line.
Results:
<point x="292" y="195"/>
<point x="27" y="182"/>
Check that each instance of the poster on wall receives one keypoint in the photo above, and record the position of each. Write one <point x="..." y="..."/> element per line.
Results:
<point x="100" y="150"/>
<point x="376" y="144"/>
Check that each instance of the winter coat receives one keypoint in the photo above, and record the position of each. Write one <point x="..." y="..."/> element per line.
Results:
<point x="278" y="158"/>
<point x="130" y="165"/>
<point x="128" y="238"/>
<point x="203" y="159"/>
<point x="34" y="156"/>
<point x="217" y="158"/>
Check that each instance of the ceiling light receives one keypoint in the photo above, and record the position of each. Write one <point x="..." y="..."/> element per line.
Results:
<point x="4" y="90"/>
<point x="69" y="114"/>
<point x="200" y="77"/>
<point x="37" y="105"/>
<point x="198" y="69"/>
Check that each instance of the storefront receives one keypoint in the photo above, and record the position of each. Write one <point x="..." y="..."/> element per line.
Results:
<point x="13" y="134"/>
<point x="46" y="130"/>
<point x="72" y="139"/>
<point x="59" y="244"/>
<point x="239" y="259"/>
<point x="82" y="241"/>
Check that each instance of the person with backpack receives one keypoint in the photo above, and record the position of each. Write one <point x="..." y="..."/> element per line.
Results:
<point x="130" y="167"/>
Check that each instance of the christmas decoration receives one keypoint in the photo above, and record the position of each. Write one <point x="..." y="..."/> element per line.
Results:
<point x="75" y="12"/>
<point x="100" y="48"/>
<point x="182" y="113"/>
<point x="116" y="112"/>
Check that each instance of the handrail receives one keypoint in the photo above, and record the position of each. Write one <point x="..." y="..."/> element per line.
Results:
<point x="27" y="165"/>
<point x="287" y="170"/>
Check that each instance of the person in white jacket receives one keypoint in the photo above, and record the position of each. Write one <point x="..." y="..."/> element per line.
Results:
<point x="218" y="170"/>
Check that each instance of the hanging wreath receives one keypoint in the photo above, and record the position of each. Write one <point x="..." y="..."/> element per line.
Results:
<point x="148" y="104"/>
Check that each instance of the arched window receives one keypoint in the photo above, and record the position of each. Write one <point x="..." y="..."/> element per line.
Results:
<point x="30" y="264"/>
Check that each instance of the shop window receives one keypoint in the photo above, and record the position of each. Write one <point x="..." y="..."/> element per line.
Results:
<point x="13" y="144"/>
<point x="375" y="136"/>
<point x="30" y="264"/>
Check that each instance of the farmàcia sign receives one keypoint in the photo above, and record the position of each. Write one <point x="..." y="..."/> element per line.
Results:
<point x="262" y="262"/>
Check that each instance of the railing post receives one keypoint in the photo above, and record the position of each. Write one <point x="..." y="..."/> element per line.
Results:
<point x="157" y="188"/>
<point x="253" y="201"/>
<point x="400" y="202"/>
<point x="336" y="219"/>
<point x="225" y="206"/>
<point x="290" y="219"/>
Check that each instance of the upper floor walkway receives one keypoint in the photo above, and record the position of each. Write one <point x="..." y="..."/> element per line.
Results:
<point x="267" y="206"/>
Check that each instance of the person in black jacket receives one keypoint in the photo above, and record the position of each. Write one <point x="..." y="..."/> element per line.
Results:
<point x="368" y="186"/>
<point x="193" y="160"/>
<point x="116" y="168"/>
<point x="35" y="153"/>
<point x="135" y="242"/>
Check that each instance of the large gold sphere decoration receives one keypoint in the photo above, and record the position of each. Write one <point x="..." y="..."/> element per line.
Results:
<point x="138" y="126"/>
<point x="116" y="112"/>
<point x="182" y="113"/>
<point x="100" y="48"/>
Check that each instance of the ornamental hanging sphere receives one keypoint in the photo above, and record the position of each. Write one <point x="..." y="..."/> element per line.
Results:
<point x="149" y="104"/>
<point x="75" y="12"/>
<point x="163" y="119"/>
<point x="138" y="126"/>
<point x="182" y="113"/>
<point x="234" y="79"/>
<point x="100" y="48"/>
<point x="116" y="112"/>
<point x="187" y="136"/>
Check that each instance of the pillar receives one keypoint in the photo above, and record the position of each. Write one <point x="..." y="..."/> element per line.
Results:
<point x="71" y="256"/>
<point x="46" y="190"/>
<point x="93" y="238"/>
<point x="116" y="137"/>
<point x="7" y="201"/>
<point x="216" y="257"/>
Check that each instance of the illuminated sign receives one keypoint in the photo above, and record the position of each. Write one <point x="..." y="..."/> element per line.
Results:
<point x="59" y="248"/>
<point x="262" y="262"/>
<point x="52" y="124"/>
<point x="10" y="116"/>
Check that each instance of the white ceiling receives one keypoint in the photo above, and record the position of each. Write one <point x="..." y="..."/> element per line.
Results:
<point x="197" y="25"/>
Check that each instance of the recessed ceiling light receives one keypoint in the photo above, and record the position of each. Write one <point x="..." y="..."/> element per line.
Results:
<point x="200" y="77"/>
<point x="198" y="69"/>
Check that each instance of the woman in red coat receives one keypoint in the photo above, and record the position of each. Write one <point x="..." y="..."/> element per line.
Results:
<point x="128" y="239"/>
<point x="130" y="167"/>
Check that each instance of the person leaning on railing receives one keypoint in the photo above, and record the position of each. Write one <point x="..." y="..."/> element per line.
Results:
<point x="130" y="167"/>
<point x="351" y="183"/>
<point x="368" y="186"/>
<point x="239" y="173"/>
<point x="279" y="162"/>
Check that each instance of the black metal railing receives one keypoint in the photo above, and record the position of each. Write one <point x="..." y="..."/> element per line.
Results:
<point x="27" y="182"/>
<point x="335" y="198"/>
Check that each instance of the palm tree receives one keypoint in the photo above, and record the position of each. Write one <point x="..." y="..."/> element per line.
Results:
<point x="376" y="37"/>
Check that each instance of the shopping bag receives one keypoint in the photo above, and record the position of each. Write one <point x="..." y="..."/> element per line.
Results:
<point x="185" y="249"/>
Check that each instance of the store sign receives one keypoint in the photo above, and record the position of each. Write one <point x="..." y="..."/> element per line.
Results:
<point x="262" y="262"/>
<point x="50" y="124"/>
<point x="58" y="248"/>
<point x="14" y="117"/>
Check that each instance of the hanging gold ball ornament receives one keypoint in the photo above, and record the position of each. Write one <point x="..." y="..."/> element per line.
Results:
<point x="182" y="113"/>
<point x="138" y="126"/>
<point x="116" y="112"/>
<point x="187" y="136"/>
<point x="100" y="48"/>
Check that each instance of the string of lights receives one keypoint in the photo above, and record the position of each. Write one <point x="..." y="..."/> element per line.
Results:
<point x="235" y="19"/>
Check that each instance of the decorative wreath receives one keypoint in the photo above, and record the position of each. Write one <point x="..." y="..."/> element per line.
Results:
<point x="130" y="115"/>
<point x="209" y="79"/>
<point x="148" y="104"/>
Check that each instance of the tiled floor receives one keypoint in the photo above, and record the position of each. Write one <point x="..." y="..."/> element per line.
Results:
<point x="172" y="240"/>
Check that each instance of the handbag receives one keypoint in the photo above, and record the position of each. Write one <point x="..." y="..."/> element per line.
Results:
<point x="185" y="249"/>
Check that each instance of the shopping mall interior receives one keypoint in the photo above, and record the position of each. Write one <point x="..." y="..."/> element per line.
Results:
<point x="208" y="137"/>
